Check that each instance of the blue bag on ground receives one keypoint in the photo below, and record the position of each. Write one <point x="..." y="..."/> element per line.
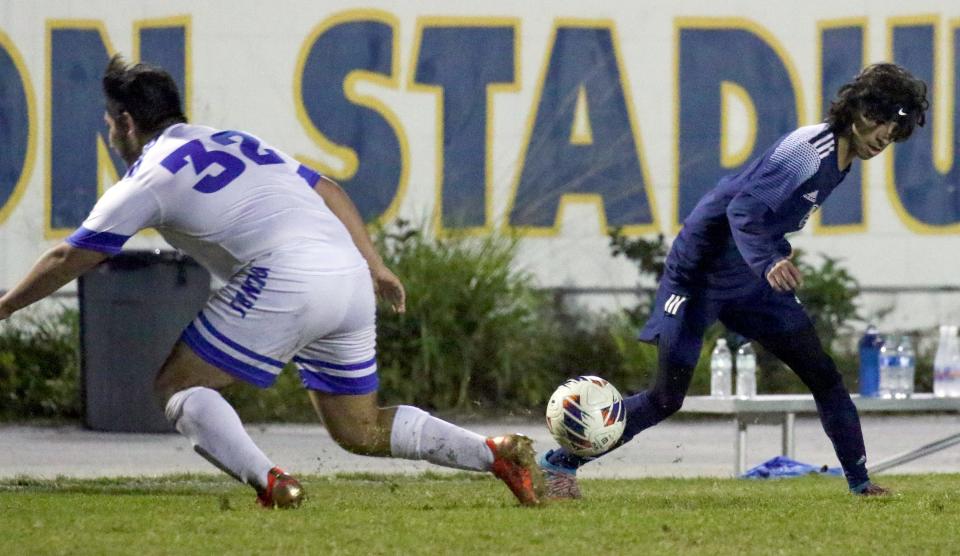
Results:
<point x="782" y="467"/>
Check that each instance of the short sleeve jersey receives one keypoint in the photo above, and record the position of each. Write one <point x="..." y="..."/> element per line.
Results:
<point x="225" y="198"/>
<point x="774" y="195"/>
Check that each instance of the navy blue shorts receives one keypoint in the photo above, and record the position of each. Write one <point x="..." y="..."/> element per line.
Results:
<point x="678" y="321"/>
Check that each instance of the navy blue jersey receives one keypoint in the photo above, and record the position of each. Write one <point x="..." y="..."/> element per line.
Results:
<point x="737" y="230"/>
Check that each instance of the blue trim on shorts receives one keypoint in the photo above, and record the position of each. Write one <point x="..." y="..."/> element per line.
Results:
<point x="248" y="352"/>
<point x="339" y="384"/>
<point x="211" y="354"/>
<point x="337" y="367"/>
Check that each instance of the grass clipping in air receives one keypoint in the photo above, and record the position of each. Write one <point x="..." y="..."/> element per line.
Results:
<point x="471" y="513"/>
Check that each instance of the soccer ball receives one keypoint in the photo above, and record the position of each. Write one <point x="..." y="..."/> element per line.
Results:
<point x="586" y="415"/>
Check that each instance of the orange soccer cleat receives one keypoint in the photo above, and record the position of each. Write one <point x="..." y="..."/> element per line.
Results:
<point x="514" y="463"/>
<point x="283" y="491"/>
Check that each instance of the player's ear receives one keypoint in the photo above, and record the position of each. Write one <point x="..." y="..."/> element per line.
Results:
<point x="129" y="124"/>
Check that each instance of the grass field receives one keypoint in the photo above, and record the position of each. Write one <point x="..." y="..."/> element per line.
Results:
<point x="473" y="514"/>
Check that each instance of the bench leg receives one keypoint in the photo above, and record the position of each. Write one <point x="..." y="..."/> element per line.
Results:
<point x="789" y="447"/>
<point x="740" y="461"/>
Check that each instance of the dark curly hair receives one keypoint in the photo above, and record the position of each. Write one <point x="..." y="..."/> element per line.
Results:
<point x="883" y="93"/>
<point x="146" y="92"/>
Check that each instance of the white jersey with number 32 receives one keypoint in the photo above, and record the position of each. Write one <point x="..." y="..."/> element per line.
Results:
<point x="226" y="199"/>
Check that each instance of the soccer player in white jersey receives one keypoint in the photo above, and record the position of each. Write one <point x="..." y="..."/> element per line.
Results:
<point x="300" y="277"/>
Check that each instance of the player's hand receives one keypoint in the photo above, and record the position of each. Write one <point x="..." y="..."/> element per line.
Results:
<point x="389" y="288"/>
<point x="784" y="276"/>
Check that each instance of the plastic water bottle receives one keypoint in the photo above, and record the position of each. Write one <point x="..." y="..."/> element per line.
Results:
<point x="721" y="367"/>
<point x="946" y="364"/>
<point x="906" y="368"/>
<point x="746" y="371"/>
<point x="869" y="351"/>
<point x="887" y="366"/>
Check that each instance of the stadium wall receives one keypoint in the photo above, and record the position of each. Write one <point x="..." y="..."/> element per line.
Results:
<point x="553" y="120"/>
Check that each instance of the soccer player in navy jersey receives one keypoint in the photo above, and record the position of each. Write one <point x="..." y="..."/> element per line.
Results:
<point x="731" y="262"/>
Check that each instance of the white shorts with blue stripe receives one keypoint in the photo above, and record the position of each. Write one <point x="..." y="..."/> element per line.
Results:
<point x="268" y="314"/>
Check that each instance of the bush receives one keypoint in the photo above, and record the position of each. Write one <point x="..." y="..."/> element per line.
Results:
<point x="478" y="337"/>
<point x="40" y="365"/>
<point x="477" y="333"/>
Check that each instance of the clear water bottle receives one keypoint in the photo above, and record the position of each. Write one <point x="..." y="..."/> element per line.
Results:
<point x="869" y="351"/>
<point x="721" y="367"/>
<point x="906" y="368"/>
<point x="946" y="364"/>
<point x="746" y="371"/>
<point x="887" y="368"/>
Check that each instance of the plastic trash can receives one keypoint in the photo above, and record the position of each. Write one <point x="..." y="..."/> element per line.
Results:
<point x="133" y="307"/>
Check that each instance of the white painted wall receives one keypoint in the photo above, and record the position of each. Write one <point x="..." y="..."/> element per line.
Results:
<point x="243" y="55"/>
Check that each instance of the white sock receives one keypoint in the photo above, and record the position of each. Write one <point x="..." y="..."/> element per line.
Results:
<point x="418" y="435"/>
<point x="208" y="420"/>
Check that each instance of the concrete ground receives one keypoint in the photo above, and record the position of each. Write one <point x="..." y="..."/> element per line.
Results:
<point x="671" y="449"/>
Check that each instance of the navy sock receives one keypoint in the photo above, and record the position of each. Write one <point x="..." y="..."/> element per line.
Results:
<point x="642" y="414"/>
<point x="562" y="458"/>
<point x="842" y="425"/>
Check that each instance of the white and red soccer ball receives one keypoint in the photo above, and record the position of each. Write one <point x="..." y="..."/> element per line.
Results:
<point x="586" y="415"/>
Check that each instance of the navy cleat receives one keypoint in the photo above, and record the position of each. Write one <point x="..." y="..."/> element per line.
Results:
<point x="870" y="489"/>
<point x="283" y="491"/>
<point x="561" y="481"/>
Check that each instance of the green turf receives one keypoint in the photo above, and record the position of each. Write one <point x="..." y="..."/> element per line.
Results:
<point x="473" y="514"/>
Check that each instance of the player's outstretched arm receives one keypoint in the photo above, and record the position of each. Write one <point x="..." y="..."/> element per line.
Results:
<point x="52" y="271"/>
<point x="386" y="283"/>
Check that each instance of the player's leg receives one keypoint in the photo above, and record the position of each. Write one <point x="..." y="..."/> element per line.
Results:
<point x="246" y="331"/>
<point x="779" y="323"/>
<point x="187" y="387"/>
<point x="359" y="425"/>
<point x="339" y="369"/>
<point x="676" y="326"/>
<point x="802" y="351"/>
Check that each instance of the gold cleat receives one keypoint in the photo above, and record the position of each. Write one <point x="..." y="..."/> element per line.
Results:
<point x="514" y="463"/>
<point x="283" y="491"/>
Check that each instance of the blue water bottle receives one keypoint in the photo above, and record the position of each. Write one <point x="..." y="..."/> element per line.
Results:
<point x="869" y="369"/>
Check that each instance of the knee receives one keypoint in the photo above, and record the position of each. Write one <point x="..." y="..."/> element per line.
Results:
<point x="169" y="380"/>
<point x="183" y="370"/>
<point x="363" y="441"/>
<point x="164" y="386"/>
<point x="667" y="404"/>
<point x="362" y="436"/>
<point x="828" y="385"/>
<point x="821" y="376"/>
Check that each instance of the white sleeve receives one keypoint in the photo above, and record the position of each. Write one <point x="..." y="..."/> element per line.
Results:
<point x="124" y="209"/>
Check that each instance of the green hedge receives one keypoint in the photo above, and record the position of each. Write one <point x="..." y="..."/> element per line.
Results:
<point x="478" y="336"/>
<point x="477" y="333"/>
<point x="40" y="365"/>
